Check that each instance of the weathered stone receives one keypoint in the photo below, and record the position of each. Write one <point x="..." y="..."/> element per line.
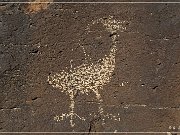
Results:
<point x="142" y="93"/>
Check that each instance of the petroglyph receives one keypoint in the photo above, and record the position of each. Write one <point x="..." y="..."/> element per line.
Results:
<point x="88" y="77"/>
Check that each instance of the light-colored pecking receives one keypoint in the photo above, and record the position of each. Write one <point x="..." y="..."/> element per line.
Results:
<point x="89" y="77"/>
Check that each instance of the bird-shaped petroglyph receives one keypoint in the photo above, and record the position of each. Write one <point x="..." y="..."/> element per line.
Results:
<point x="88" y="77"/>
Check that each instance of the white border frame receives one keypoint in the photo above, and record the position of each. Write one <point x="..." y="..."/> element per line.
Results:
<point x="89" y="132"/>
<point x="101" y="2"/>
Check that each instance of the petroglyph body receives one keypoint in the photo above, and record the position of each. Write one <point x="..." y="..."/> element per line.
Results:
<point x="88" y="77"/>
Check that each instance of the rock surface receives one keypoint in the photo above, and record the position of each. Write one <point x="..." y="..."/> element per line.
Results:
<point x="144" y="90"/>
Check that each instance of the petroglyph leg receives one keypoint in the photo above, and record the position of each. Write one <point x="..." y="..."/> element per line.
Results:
<point x="98" y="97"/>
<point x="71" y="115"/>
<point x="72" y="104"/>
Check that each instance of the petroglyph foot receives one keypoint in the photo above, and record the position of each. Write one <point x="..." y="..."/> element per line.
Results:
<point x="71" y="116"/>
<point x="106" y="116"/>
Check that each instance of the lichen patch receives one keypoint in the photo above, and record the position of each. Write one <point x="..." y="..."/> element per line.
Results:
<point x="37" y="5"/>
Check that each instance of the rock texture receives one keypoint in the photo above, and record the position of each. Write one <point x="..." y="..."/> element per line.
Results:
<point x="143" y="93"/>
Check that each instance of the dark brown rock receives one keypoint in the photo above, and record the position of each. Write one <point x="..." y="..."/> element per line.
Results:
<point x="145" y="85"/>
